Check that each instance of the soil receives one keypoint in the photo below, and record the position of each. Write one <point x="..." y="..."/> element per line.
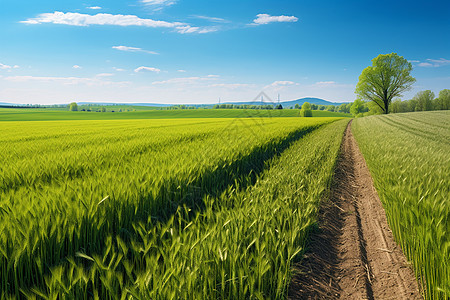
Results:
<point x="352" y="254"/>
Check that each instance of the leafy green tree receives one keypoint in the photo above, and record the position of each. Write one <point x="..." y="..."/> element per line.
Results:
<point x="373" y="108"/>
<point x="73" y="106"/>
<point x="297" y="106"/>
<point x="103" y="109"/>
<point x="358" y="108"/>
<point x="388" y="77"/>
<point x="397" y="106"/>
<point x="443" y="101"/>
<point x="424" y="100"/>
<point x="306" y="110"/>
<point x="343" y="108"/>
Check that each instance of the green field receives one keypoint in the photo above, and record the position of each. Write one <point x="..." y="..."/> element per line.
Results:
<point x="7" y="114"/>
<point x="159" y="208"/>
<point x="408" y="157"/>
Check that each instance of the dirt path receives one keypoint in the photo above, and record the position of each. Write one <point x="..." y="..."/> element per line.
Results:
<point x="353" y="254"/>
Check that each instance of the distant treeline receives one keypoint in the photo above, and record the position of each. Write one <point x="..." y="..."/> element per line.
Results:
<point x="422" y="101"/>
<point x="20" y="106"/>
<point x="344" y="108"/>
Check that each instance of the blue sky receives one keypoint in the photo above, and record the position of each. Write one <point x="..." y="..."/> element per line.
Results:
<point x="185" y="51"/>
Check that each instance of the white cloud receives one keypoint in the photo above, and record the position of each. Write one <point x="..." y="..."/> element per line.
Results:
<point x="231" y="85"/>
<point x="16" y="67"/>
<point x="4" y="67"/>
<point x="63" y="80"/>
<point x="434" y="63"/>
<point x="266" y="19"/>
<point x="104" y="75"/>
<point x="77" y="19"/>
<point x="191" y="29"/>
<point x="118" y="69"/>
<point x="280" y="84"/>
<point x="211" y="19"/>
<point x="185" y="80"/>
<point x="325" y="83"/>
<point x="94" y="7"/>
<point x="425" y="64"/>
<point x="181" y="71"/>
<point x="133" y="49"/>
<point x="158" y="2"/>
<point x="142" y="68"/>
<point x="76" y="67"/>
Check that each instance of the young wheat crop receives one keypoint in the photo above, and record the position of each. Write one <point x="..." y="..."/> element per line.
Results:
<point x="408" y="157"/>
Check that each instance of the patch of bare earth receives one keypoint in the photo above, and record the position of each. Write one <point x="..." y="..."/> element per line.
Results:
<point x="353" y="255"/>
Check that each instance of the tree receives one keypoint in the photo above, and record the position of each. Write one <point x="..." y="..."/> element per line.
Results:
<point x="330" y="107"/>
<point x="279" y="106"/>
<point x="297" y="106"/>
<point x="103" y="109"/>
<point x="373" y="109"/>
<point x="358" y="108"/>
<point x="388" y="77"/>
<point x="443" y="101"/>
<point x="424" y="100"/>
<point x="343" y="108"/>
<point x="306" y="110"/>
<point x="73" y="106"/>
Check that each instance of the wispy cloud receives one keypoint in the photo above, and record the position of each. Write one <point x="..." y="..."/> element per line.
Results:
<point x="262" y="19"/>
<point x="211" y="19"/>
<point x="118" y="69"/>
<point x="158" y="2"/>
<point x="181" y="71"/>
<point x="94" y="7"/>
<point x="280" y="84"/>
<point x="4" y="67"/>
<point x="190" y="29"/>
<point x="77" y="19"/>
<point x="104" y="75"/>
<point x="65" y="80"/>
<point x="325" y="83"/>
<point x="76" y="67"/>
<point x="433" y="63"/>
<point x="232" y="85"/>
<point x="133" y="49"/>
<point x="140" y="69"/>
<point x="186" y="80"/>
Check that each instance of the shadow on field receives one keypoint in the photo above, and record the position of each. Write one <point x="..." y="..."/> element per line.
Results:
<point x="118" y="217"/>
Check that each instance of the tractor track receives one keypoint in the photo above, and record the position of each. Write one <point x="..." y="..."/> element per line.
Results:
<point x="353" y="254"/>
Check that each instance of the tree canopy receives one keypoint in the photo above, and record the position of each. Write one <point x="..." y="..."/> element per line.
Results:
<point x="73" y="106"/>
<point x="306" y="110"/>
<point x="388" y="77"/>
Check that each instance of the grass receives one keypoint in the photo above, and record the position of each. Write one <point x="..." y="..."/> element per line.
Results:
<point x="153" y="208"/>
<point x="408" y="157"/>
<point x="7" y="114"/>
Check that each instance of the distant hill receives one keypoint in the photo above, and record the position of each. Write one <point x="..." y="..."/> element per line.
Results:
<point x="286" y="104"/>
<point x="317" y="101"/>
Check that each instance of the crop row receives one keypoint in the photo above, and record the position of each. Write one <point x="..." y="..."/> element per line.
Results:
<point x="68" y="186"/>
<point x="408" y="157"/>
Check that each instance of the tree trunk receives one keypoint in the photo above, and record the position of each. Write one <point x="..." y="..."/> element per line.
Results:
<point x="386" y="107"/>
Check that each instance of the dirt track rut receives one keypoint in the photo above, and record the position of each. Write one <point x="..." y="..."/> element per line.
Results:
<point x="353" y="254"/>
